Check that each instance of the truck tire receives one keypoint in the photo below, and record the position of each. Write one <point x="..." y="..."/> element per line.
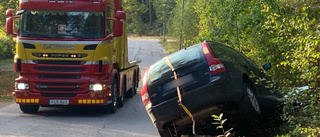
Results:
<point x="134" y="87"/>
<point x="114" y="96"/>
<point x="249" y="105"/>
<point x="121" y="98"/>
<point x="29" y="108"/>
<point x="136" y="82"/>
<point x="130" y="93"/>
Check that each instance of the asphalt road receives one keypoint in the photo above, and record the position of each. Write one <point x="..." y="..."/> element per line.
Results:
<point x="129" y="121"/>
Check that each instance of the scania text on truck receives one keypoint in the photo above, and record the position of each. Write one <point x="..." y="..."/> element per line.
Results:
<point x="71" y="52"/>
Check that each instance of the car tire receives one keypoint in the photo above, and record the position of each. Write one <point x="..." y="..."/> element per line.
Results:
<point x="114" y="96"/>
<point x="249" y="105"/>
<point x="29" y="108"/>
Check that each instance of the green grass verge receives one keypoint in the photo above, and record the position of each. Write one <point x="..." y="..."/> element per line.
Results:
<point x="170" y="46"/>
<point x="6" y="65"/>
<point x="7" y="76"/>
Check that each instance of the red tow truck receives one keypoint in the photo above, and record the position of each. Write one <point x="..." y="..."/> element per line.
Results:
<point x="71" y="52"/>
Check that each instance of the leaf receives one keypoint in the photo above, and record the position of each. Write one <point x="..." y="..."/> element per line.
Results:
<point x="215" y="116"/>
<point x="216" y="123"/>
<point x="222" y="122"/>
<point x="221" y="115"/>
<point x="219" y="127"/>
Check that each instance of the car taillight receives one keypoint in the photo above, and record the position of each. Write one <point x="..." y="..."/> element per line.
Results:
<point x="214" y="64"/>
<point x="144" y="91"/>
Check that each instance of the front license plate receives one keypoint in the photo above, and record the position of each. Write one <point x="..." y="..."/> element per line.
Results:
<point x="58" y="102"/>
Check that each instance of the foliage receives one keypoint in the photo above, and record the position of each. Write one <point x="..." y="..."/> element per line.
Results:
<point x="4" y="5"/>
<point x="188" y="29"/>
<point x="6" y="47"/>
<point x="285" y="33"/>
<point x="292" y="37"/>
<point x="220" y="124"/>
<point x="6" y="44"/>
<point x="134" y="9"/>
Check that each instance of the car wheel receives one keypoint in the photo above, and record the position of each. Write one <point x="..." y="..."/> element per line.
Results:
<point x="114" y="96"/>
<point x="249" y="104"/>
<point x="29" y="108"/>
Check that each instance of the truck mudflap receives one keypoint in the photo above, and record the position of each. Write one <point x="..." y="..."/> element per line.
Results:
<point x="201" y="102"/>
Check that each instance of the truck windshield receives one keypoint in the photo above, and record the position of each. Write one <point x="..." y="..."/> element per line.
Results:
<point x="62" y="24"/>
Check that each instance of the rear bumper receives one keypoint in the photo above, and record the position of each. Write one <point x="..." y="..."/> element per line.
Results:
<point x="88" y="99"/>
<point x="201" y="102"/>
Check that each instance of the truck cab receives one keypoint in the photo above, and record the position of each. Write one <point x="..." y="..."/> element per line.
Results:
<point x="71" y="52"/>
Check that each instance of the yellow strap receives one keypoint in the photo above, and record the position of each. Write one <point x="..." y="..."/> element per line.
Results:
<point x="168" y="63"/>
<point x="186" y="110"/>
<point x="179" y="94"/>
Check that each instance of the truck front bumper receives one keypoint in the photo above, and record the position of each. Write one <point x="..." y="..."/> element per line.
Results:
<point x="89" y="99"/>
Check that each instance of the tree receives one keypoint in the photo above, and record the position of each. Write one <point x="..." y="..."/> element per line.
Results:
<point x="6" y="43"/>
<point x="189" y="29"/>
<point x="134" y="10"/>
<point x="163" y="9"/>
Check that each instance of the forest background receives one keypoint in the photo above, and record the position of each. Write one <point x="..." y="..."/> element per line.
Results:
<point x="285" y="33"/>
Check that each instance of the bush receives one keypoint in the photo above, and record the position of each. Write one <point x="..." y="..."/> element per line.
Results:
<point x="7" y="46"/>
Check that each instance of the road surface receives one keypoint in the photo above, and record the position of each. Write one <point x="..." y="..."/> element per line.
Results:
<point x="129" y="121"/>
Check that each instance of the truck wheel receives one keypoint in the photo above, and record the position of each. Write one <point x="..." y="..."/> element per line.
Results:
<point x="249" y="104"/>
<point x="134" y="88"/>
<point x="114" y="96"/>
<point x="136" y="82"/>
<point x="121" y="98"/>
<point x="130" y="93"/>
<point x="29" y="108"/>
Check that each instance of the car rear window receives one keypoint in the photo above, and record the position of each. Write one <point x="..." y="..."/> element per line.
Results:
<point x="178" y="59"/>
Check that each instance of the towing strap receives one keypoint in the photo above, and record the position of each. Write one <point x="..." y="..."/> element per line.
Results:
<point x="179" y="96"/>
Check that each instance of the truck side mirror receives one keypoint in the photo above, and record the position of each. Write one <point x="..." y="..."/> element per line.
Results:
<point x="10" y="22"/>
<point x="267" y="66"/>
<point x="118" y="23"/>
<point x="120" y="15"/>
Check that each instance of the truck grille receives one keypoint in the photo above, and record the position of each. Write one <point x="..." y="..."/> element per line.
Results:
<point x="57" y="95"/>
<point x="59" y="69"/>
<point x="60" y="77"/>
<point x="59" y="62"/>
<point x="59" y="87"/>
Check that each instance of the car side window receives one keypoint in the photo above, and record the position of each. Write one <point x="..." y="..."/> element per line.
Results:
<point x="250" y="61"/>
<point x="219" y="51"/>
<point x="240" y="57"/>
<point x="237" y="55"/>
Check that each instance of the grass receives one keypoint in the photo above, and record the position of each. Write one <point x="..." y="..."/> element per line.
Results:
<point x="6" y="65"/>
<point x="7" y="76"/>
<point x="170" y="46"/>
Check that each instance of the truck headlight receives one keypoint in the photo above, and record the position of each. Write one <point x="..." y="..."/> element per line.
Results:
<point x="21" y="86"/>
<point x="97" y="87"/>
